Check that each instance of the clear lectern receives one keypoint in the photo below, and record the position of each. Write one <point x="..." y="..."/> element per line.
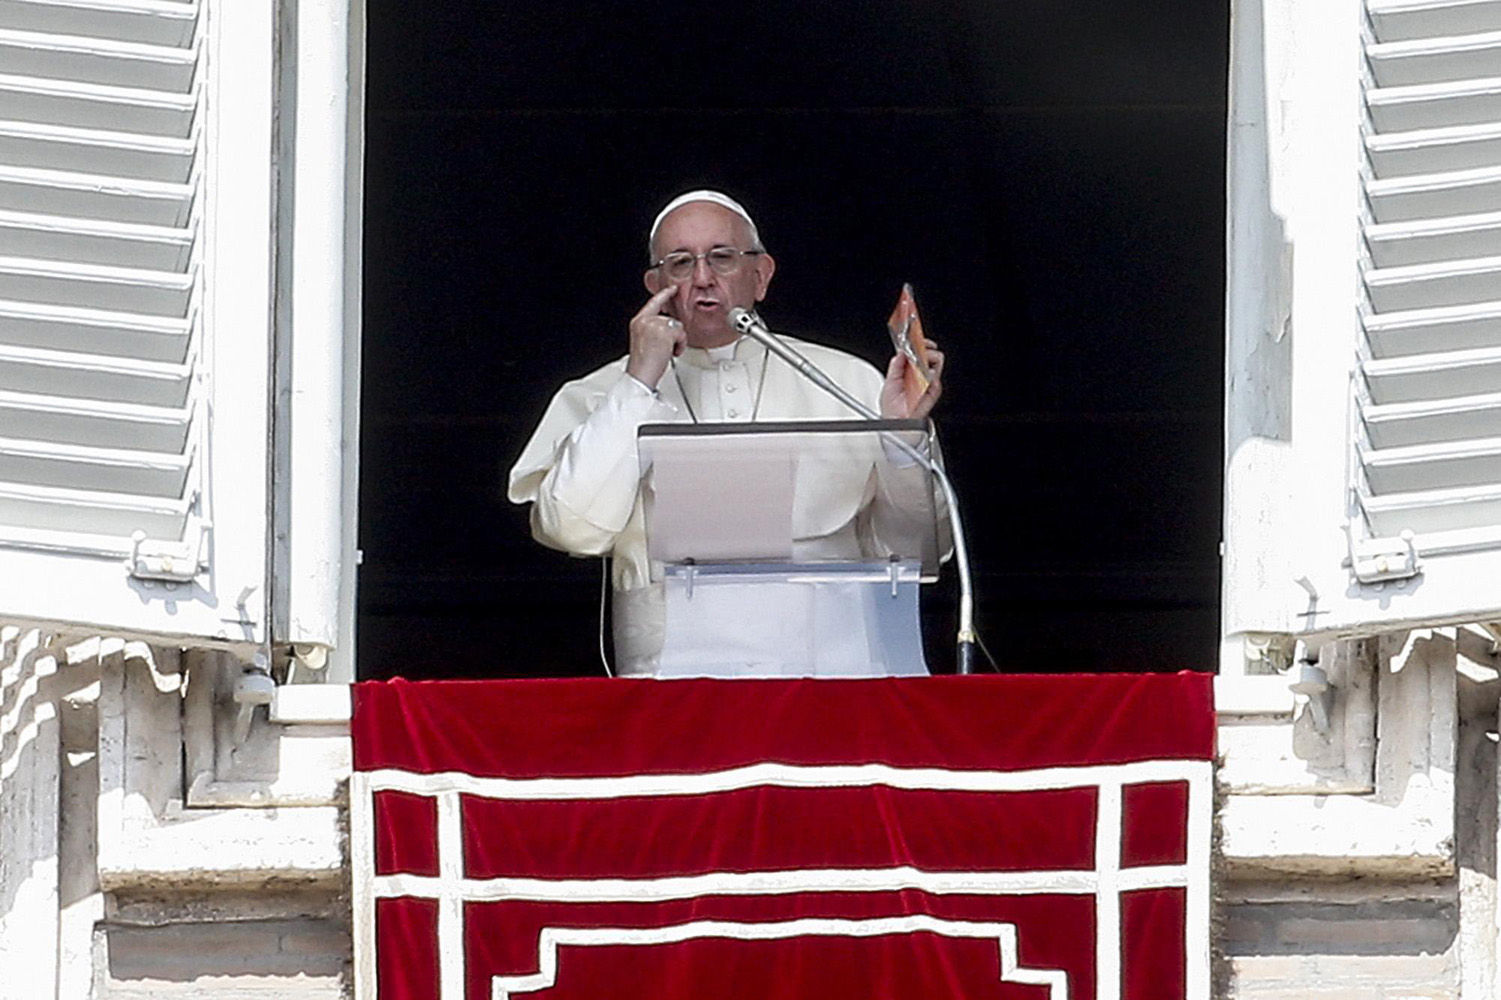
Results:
<point x="791" y="549"/>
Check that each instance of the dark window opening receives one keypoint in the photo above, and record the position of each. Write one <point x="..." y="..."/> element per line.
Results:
<point x="1049" y="175"/>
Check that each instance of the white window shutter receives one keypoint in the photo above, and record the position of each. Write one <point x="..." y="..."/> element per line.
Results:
<point x="1363" y="488"/>
<point x="316" y="481"/>
<point x="136" y="221"/>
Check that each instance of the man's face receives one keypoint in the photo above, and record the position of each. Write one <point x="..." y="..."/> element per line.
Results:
<point x="704" y="299"/>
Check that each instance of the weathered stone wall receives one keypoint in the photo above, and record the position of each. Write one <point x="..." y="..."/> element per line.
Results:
<point x="154" y="842"/>
<point x="1332" y="927"/>
<point x="263" y="944"/>
<point x="1344" y="940"/>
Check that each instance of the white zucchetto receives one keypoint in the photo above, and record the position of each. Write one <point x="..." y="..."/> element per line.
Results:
<point x="705" y="194"/>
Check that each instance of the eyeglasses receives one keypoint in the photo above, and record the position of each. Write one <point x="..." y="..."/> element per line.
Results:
<point x="722" y="261"/>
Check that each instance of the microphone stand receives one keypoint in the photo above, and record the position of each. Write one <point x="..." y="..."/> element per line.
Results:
<point x="746" y="322"/>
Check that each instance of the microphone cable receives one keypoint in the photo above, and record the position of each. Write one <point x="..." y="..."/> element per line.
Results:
<point x="604" y="587"/>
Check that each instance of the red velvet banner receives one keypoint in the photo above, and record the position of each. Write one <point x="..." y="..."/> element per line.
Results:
<point x="1025" y="838"/>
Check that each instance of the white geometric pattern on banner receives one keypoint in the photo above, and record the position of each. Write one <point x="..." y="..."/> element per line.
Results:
<point x="1105" y="882"/>
<point x="552" y="938"/>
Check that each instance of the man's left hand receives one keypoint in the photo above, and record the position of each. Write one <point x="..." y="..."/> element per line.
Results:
<point x="894" y="405"/>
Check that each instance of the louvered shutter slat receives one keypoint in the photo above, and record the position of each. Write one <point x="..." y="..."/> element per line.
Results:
<point x="1434" y="197"/>
<point x="92" y="468"/>
<point x="94" y="106"/>
<point x="105" y="332"/>
<point x="94" y="241"/>
<point x="97" y="60"/>
<point x="111" y="514"/>
<point x="112" y="154"/>
<point x="1424" y="240"/>
<point x="156" y="22"/>
<point x="153" y="293"/>
<point x="1438" y="421"/>
<point x="1409" y="470"/>
<point x="109" y="425"/>
<point x="89" y="196"/>
<point x="1425" y="286"/>
<point x="54" y="373"/>
<point x="1430" y="151"/>
<point x="1424" y="330"/>
<point x="1412" y="19"/>
<point x="1436" y="105"/>
<point x="1419" y="377"/>
<point x="1435" y="60"/>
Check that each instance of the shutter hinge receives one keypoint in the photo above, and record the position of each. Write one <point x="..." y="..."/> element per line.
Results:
<point x="1377" y="560"/>
<point x="174" y="562"/>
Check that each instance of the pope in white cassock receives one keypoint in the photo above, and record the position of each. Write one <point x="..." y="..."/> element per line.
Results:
<point x="686" y="363"/>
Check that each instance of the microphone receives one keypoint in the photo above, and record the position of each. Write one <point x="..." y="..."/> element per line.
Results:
<point x="748" y="323"/>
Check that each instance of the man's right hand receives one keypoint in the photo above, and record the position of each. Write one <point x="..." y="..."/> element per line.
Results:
<point x="655" y="340"/>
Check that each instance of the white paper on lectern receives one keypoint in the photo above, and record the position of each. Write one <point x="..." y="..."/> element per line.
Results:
<point x="709" y="503"/>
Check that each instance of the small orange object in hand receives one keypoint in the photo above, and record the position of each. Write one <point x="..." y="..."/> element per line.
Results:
<point x="905" y="327"/>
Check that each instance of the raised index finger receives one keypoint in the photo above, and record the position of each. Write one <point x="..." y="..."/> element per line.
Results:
<point x="656" y="302"/>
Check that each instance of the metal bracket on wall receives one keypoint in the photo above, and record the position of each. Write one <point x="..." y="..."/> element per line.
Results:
<point x="167" y="562"/>
<point x="1313" y="683"/>
<point x="253" y="688"/>
<point x="1377" y="560"/>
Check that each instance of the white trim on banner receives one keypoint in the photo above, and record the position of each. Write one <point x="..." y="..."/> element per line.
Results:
<point x="552" y="938"/>
<point x="777" y="883"/>
<point x="787" y="776"/>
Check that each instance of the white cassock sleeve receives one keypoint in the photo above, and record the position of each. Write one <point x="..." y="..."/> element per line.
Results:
<point x="902" y="504"/>
<point x="580" y="470"/>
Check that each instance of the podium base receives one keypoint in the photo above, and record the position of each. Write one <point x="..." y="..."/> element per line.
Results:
<point x="792" y="620"/>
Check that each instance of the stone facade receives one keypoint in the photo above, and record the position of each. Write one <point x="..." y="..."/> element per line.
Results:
<point x="1375" y="894"/>
<point x="155" y="844"/>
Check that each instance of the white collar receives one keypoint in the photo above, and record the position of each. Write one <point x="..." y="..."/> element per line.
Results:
<point x="703" y="357"/>
<point x="725" y="352"/>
